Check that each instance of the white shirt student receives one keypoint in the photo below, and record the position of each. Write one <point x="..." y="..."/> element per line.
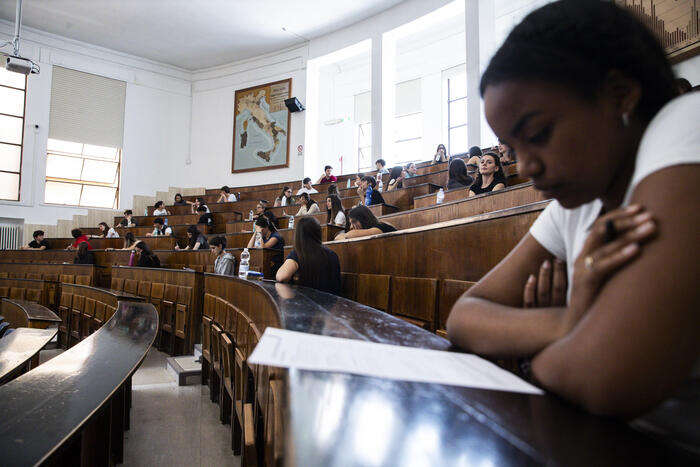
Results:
<point x="306" y="187"/>
<point x="339" y="219"/>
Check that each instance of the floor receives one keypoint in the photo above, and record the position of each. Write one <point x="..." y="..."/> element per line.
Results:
<point x="172" y="425"/>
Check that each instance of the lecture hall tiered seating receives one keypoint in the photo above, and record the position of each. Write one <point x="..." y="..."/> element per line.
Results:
<point x="397" y="288"/>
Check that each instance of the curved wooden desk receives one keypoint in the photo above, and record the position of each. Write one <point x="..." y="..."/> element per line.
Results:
<point x="19" y="348"/>
<point x="342" y="419"/>
<point x="22" y="313"/>
<point x="74" y="408"/>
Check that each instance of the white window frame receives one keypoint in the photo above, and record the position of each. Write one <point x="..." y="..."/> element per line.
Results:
<point x="21" y="144"/>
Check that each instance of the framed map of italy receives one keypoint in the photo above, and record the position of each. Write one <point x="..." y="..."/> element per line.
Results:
<point x="261" y="127"/>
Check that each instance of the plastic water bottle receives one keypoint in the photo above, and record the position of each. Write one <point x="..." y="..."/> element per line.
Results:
<point x="348" y="183"/>
<point x="245" y="264"/>
<point x="440" y="197"/>
<point x="145" y="211"/>
<point x="380" y="185"/>
<point x="250" y="215"/>
<point x="258" y="240"/>
<point x="165" y="220"/>
<point x="291" y="222"/>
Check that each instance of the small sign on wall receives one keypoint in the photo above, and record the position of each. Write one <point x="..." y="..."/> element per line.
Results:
<point x="300" y="150"/>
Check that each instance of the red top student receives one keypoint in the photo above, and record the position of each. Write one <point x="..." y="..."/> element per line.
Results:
<point x="327" y="177"/>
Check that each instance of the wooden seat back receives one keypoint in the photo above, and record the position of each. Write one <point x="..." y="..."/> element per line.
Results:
<point x="117" y="283"/>
<point x="131" y="286"/>
<point x="348" y="281"/>
<point x="450" y="291"/>
<point x="415" y="298"/>
<point x="373" y="290"/>
<point x="83" y="280"/>
<point x="17" y="293"/>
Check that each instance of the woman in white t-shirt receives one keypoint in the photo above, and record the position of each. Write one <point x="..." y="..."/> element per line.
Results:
<point x="159" y="209"/>
<point x="594" y="125"/>
<point x="105" y="231"/>
<point x="336" y="213"/>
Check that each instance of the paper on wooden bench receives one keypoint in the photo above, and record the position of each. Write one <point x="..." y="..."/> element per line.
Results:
<point x="291" y="349"/>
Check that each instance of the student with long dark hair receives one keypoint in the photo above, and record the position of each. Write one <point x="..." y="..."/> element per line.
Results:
<point x="333" y="189"/>
<point x="84" y="255"/>
<point x="147" y="259"/>
<point x="313" y="264"/>
<point x="179" y="201"/>
<point x="368" y="195"/>
<point x="225" y="195"/>
<point x="458" y="176"/>
<point x="396" y="176"/>
<point x="440" y="154"/>
<point x="129" y="241"/>
<point x="364" y="223"/>
<point x="336" y="213"/>
<point x="224" y="262"/>
<point x="195" y="239"/>
<point x="270" y="238"/>
<point x="159" y="209"/>
<point x="308" y="206"/>
<point x="491" y="176"/>
<point x="105" y="231"/>
<point x="595" y="331"/>
<point x="285" y="198"/>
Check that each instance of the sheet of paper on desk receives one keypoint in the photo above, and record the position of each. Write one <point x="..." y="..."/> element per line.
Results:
<point x="291" y="349"/>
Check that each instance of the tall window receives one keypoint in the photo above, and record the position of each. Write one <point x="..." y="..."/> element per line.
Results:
<point x="408" y="122"/>
<point x="82" y="175"/>
<point x="455" y="86"/>
<point x="12" y="102"/>
<point x="86" y="131"/>
<point x="363" y="118"/>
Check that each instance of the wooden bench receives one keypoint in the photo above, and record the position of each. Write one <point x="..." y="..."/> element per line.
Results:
<point x="154" y="243"/>
<point x="19" y="352"/>
<point x="26" y="314"/>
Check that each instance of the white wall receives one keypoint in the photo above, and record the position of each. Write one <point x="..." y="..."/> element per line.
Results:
<point x="156" y="121"/>
<point x="689" y="69"/>
<point x="213" y="93"/>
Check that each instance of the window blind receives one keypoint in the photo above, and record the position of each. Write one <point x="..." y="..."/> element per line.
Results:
<point x="408" y="97"/>
<point x="363" y="107"/>
<point x="86" y="108"/>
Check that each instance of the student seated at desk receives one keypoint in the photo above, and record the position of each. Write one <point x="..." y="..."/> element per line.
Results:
<point x="381" y="167"/>
<point x="205" y="217"/>
<point x="396" y="177"/>
<point x="269" y="238"/>
<point x="77" y="234"/>
<point x="39" y="242"/>
<point x="593" y="325"/>
<point x="197" y="203"/>
<point x="195" y="240"/>
<point x="313" y="264"/>
<point x="505" y="154"/>
<point x="224" y="262"/>
<point x="368" y="195"/>
<point x="285" y="198"/>
<point x="159" y="229"/>
<point x="333" y="189"/>
<point x="335" y="211"/>
<point x="327" y="177"/>
<point x="308" y="206"/>
<point x="179" y="201"/>
<point x="105" y="231"/>
<point x="440" y="154"/>
<point x="127" y="222"/>
<point x="159" y="209"/>
<point x="411" y="170"/>
<point x="458" y="175"/>
<point x="84" y="255"/>
<point x="491" y="176"/>
<point x="364" y="223"/>
<point x="262" y="209"/>
<point x="225" y="195"/>
<point x="306" y="187"/>
<point x="147" y="259"/>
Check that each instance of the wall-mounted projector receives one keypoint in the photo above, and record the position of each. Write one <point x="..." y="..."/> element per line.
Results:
<point x="20" y="65"/>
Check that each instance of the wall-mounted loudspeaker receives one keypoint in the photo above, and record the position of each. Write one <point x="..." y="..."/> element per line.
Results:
<point x="293" y="104"/>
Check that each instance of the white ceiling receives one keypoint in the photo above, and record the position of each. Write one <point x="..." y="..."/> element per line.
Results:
<point x="193" y="34"/>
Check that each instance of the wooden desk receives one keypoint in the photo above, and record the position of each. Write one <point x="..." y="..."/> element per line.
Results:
<point x="24" y="314"/>
<point x="19" y="351"/>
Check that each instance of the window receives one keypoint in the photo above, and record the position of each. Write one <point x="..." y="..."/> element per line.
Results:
<point x="82" y="174"/>
<point x="363" y="118"/>
<point x="455" y="85"/>
<point x="12" y="103"/>
<point x="408" y="123"/>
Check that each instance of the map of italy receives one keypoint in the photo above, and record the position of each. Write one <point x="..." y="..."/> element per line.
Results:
<point x="262" y="132"/>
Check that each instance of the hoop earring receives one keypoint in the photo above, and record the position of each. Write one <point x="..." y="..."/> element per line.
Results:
<point x="625" y="120"/>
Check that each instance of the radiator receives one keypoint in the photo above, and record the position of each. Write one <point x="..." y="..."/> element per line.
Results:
<point x="10" y="236"/>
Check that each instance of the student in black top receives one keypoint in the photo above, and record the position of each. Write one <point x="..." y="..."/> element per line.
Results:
<point x="196" y="240"/>
<point x="179" y="201"/>
<point x="285" y="198"/>
<point x="371" y="196"/>
<point x="205" y="217"/>
<point x="459" y="178"/>
<point x="39" y="242"/>
<point x="147" y="259"/>
<point x="313" y="264"/>
<point x="270" y="238"/>
<point x="363" y="223"/>
<point x="491" y="176"/>
<point x="127" y="222"/>
<point x="84" y="255"/>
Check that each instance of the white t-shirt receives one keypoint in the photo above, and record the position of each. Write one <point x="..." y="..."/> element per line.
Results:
<point x="339" y="219"/>
<point x="160" y="212"/>
<point x="156" y="232"/>
<point x="672" y="138"/>
<point x="111" y="233"/>
<point x="231" y="198"/>
<point x="310" y="191"/>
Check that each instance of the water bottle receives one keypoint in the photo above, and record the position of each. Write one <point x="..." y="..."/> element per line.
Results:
<point x="258" y="240"/>
<point x="145" y="211"/>
<point x="131" y="258"/>
<point x="348" y="183"/>
<point x="440" y="197"/>
<point x="380" y="185"/>
<point x="291" y="222"/>
<point x="165" y="220"/>
<point x="250" y="215"/>
<point x="245" y="264"/>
